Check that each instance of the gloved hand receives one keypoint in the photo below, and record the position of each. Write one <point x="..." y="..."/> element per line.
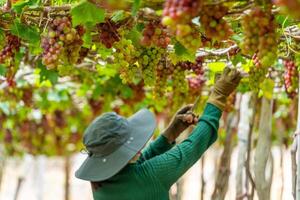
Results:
<point x="224" y="86"/>
<point x="181" y="121"/>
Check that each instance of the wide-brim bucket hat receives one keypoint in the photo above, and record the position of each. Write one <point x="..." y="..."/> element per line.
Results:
<point x="112" y="141"/>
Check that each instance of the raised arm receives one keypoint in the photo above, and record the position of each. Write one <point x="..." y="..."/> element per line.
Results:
<point x="168" y="167"/>
<point x="166" y="140"/>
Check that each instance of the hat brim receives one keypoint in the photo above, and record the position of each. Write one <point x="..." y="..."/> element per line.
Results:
<point x="142" y="125"/>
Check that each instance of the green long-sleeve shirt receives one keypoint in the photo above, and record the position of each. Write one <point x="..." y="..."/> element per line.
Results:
<point x="161" y="164"/>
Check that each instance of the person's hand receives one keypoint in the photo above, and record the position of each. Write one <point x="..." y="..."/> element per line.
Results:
<point x="224" y="86"/>
<point x="181" y="121"/>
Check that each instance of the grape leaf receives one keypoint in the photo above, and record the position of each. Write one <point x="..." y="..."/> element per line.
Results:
<point x="2" y="70"/>
<point x="216" y="66"/>
<point x="267" y="88"/>
<point x="87" y="13"/>
<point x="18" y="7"/>
<point x="118" y="16"/>
<point x="135" y="7"/>
<point x="27" y="33"/>
<point x="46" y="74"/>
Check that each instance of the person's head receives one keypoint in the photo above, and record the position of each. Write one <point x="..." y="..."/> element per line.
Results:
<point x="113" y="141"/>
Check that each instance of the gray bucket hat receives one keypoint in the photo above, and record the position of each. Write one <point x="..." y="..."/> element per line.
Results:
<point x="112" y="141"/>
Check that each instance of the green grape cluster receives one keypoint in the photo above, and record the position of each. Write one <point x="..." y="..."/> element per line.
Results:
<point x="179" y="86"/>
<point x="148" y="61"/>
<point x="125" y="58"/>
<point x="260" y="35"/>
<point x="212" y="20"/>
<point x="257" y="74"/>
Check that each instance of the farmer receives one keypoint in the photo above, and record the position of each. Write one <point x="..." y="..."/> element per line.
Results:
<point x="118" y="170"/>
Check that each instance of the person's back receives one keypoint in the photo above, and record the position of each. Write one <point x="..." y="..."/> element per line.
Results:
<point x="131" y="183"/>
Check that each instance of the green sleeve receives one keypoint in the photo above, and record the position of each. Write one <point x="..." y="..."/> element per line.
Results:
<point x="168" y="167"/>
<point x="158" y="146"/>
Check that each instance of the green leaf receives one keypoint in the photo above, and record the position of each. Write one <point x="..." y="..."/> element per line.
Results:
<point x="106" y="71"/>
<point x="118" y="16"/>
<point x="180" y="49"/>
<point x="216" y="66"/>
<point x="2" y="70"/>
<point x="46" y="74"/>
<point x="267" y="88"/>
<point x="27" y="33"/>
<point x="18" y="7"/>
<point x="238" y="59"/>
<point x="87" y="13"/>
<point x="283" y="20"/>
<point x="134" y="35"/>
<point x="135" y="7"/>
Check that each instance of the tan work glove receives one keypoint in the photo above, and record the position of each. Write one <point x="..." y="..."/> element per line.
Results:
<point x="224" y="86"/>
<point x="181" y="121"/>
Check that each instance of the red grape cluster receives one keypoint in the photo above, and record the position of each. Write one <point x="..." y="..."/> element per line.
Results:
<point x="155" y="34"/>
<point x="291" y="78"/>
<point x="177" y="16"/>
<point x="62" y="43"/>
<point x="196" y="83"/>
<point x="163" y="70"/>
<point x="291" y="7"/>
<point x="108" y="33"/>
<point x="260" y="36"/>
<point x="12" y="45"/>
<point x="196" y="67"/>
<point x="215" y="27"/>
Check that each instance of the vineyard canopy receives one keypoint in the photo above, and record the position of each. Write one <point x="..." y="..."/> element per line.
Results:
<point x="64" y="62"/>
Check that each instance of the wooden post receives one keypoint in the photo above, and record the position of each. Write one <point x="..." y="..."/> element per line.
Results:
<point x="263" y="180"/>
<point x="67" y="176"/>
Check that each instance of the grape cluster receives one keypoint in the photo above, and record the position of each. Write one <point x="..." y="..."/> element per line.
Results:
<point x="108" y="33"/>
<point x="62" y="43"/>
<point x="148" y="61"/>
<point x="12" y="45"/>
<point x="257" y="73"/>
<point x="163" y="70"/>
<point x="181" y="11"/>
<point x="196" y="67"/>
<point x="155" y="34"/>
<point x="291" y="78"/>
<point x="177" y="16"/>
<point x="196" y="83"/>
<point x="179" y="86"/>
<point x="290" y="6"/>
<point x="260" y="36"/>
<point x="215" y="27"/>
<point x="138" y="94"/>
<point x="125" y="57"/>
